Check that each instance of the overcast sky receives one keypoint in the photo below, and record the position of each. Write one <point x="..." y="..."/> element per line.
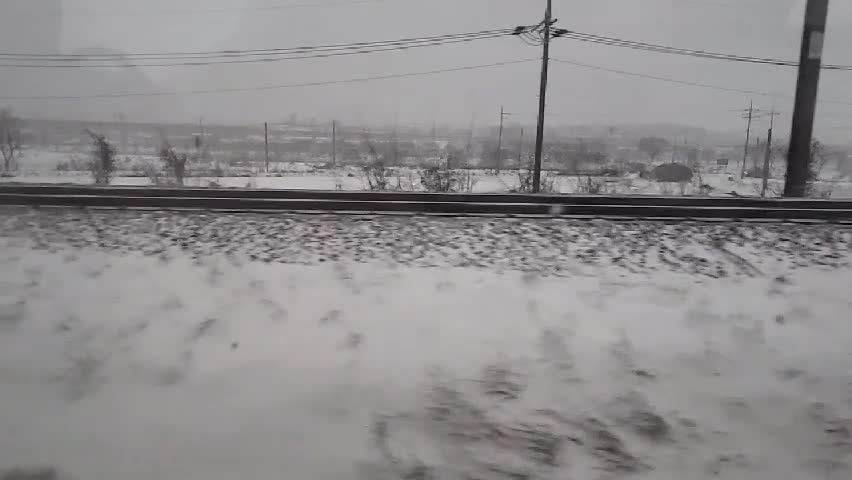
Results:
<point x="766" y="28"/>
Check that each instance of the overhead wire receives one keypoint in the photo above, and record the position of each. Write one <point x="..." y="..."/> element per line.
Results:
<point x="664" y="79"/>
<point x="245" y="56"/>
<point x="272" y="87"/>
<point x="199" y="11"/>
<point x="617" y="42"/>
<point x="688" y="83"/>
<point x="530" y="34"/>
<point x="300" y="49"/>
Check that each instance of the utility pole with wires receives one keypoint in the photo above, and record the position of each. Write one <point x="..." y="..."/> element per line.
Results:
<point x="755" y="155"/>
<point x="767" y="157"/>
<point x="202" y="140"/>
<point x="266" y="144"/>
<point x="674" y="150"/>
<point x="542" y="98"/>
<point x="498" y="164"/>
<point x="749" y="114"/>
<point x="810" y="63"/>
<point x="521" y="149"/>
<point x="333" y="143"/>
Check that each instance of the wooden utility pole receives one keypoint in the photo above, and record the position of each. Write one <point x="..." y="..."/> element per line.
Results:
<point x="810" y="63"/>
<point x="750" y="113"/>
<point x="498" y="164"/>
<point x="334" y="143"/>
<point x="266" y="143"/>
<point x="521" y="149"/>
<point x="674" y="150"/>
<point x="542" y="98"/>
<point x="766" y="158"/>
<point x="756" y="154"/>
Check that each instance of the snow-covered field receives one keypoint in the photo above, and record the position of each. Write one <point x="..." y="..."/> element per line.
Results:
<point x="484" y="183"/>
<point x="213" y="346"/>
<point x="40" y="167"/>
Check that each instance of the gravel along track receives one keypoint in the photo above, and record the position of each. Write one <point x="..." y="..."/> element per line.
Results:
<point x="547" y="246"/>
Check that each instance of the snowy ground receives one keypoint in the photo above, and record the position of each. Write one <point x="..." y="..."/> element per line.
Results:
<point x="40" y="167"/>
<point x="484" y="183"/>
<point x="212" y="346"/>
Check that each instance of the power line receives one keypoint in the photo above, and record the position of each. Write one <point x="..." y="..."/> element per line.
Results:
<point x="689" y="83"/>
<point x="244" y="57"/>
<point x="270" y="87"/>
<point x="186" y="11"/>
<point x="233" y="52"/>
<point x="739" y="5"/>
<point x="665" y="79"/>
<point x="617" y="42"/>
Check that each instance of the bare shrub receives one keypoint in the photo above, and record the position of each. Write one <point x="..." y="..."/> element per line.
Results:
<point x="446" y="180"/>
<point x="174" y="163"/>
<point x="376" y="172"/>
<point x="591" y="186"/>
<point x="73" y="164"/>
<point x="10" y="139"/>
<point x="819" y="158"/>
<point x="153" y="172"/>
<point x="525" y="182"/>
<point x="435" y="179"/>
<point x="653" y="147"/>
<point x="102" y="159"/>
<point x="377" y="176"/>
<point x="218" y="171"/>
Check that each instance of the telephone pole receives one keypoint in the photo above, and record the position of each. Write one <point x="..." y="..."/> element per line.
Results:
<point x="521" y="149"/>
<point x="768" y="154"/>
<point x="333" y="143"/>
<point x="266" y="143"/>
<point x="810" y="63"/>
<point x="750" y="113"/>
<point x="542" y="98"/>
<point x="499" y="158"/>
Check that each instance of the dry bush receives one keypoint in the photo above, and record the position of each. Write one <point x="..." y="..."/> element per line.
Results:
<point x="174" y="163"/>
<point x="73" y="164"/>
<point x="101" y="163"/>
<point x="377" y="174"/>
<point x="446" y="180"/>
<point x="152" y="172"/>
<point x="525" y="181"/>
<point x="591" y="186"/>
<point x="10" y="139"/>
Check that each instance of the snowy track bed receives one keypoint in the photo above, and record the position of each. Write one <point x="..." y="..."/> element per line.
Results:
<point x="141" y="345"/>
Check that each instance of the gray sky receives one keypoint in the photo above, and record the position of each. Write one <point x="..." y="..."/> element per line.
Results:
<point x="768" y="28"/>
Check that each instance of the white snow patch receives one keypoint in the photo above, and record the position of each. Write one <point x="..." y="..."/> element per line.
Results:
<point x="136" y="368"/>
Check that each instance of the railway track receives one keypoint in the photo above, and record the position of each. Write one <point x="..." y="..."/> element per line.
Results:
<point x="738" y="208"/>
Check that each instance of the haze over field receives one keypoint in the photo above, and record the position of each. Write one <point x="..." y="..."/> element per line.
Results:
<point x="764" y="28"/>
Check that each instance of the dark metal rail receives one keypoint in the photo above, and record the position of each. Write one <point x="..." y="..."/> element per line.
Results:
<point x="429" y="203"/>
